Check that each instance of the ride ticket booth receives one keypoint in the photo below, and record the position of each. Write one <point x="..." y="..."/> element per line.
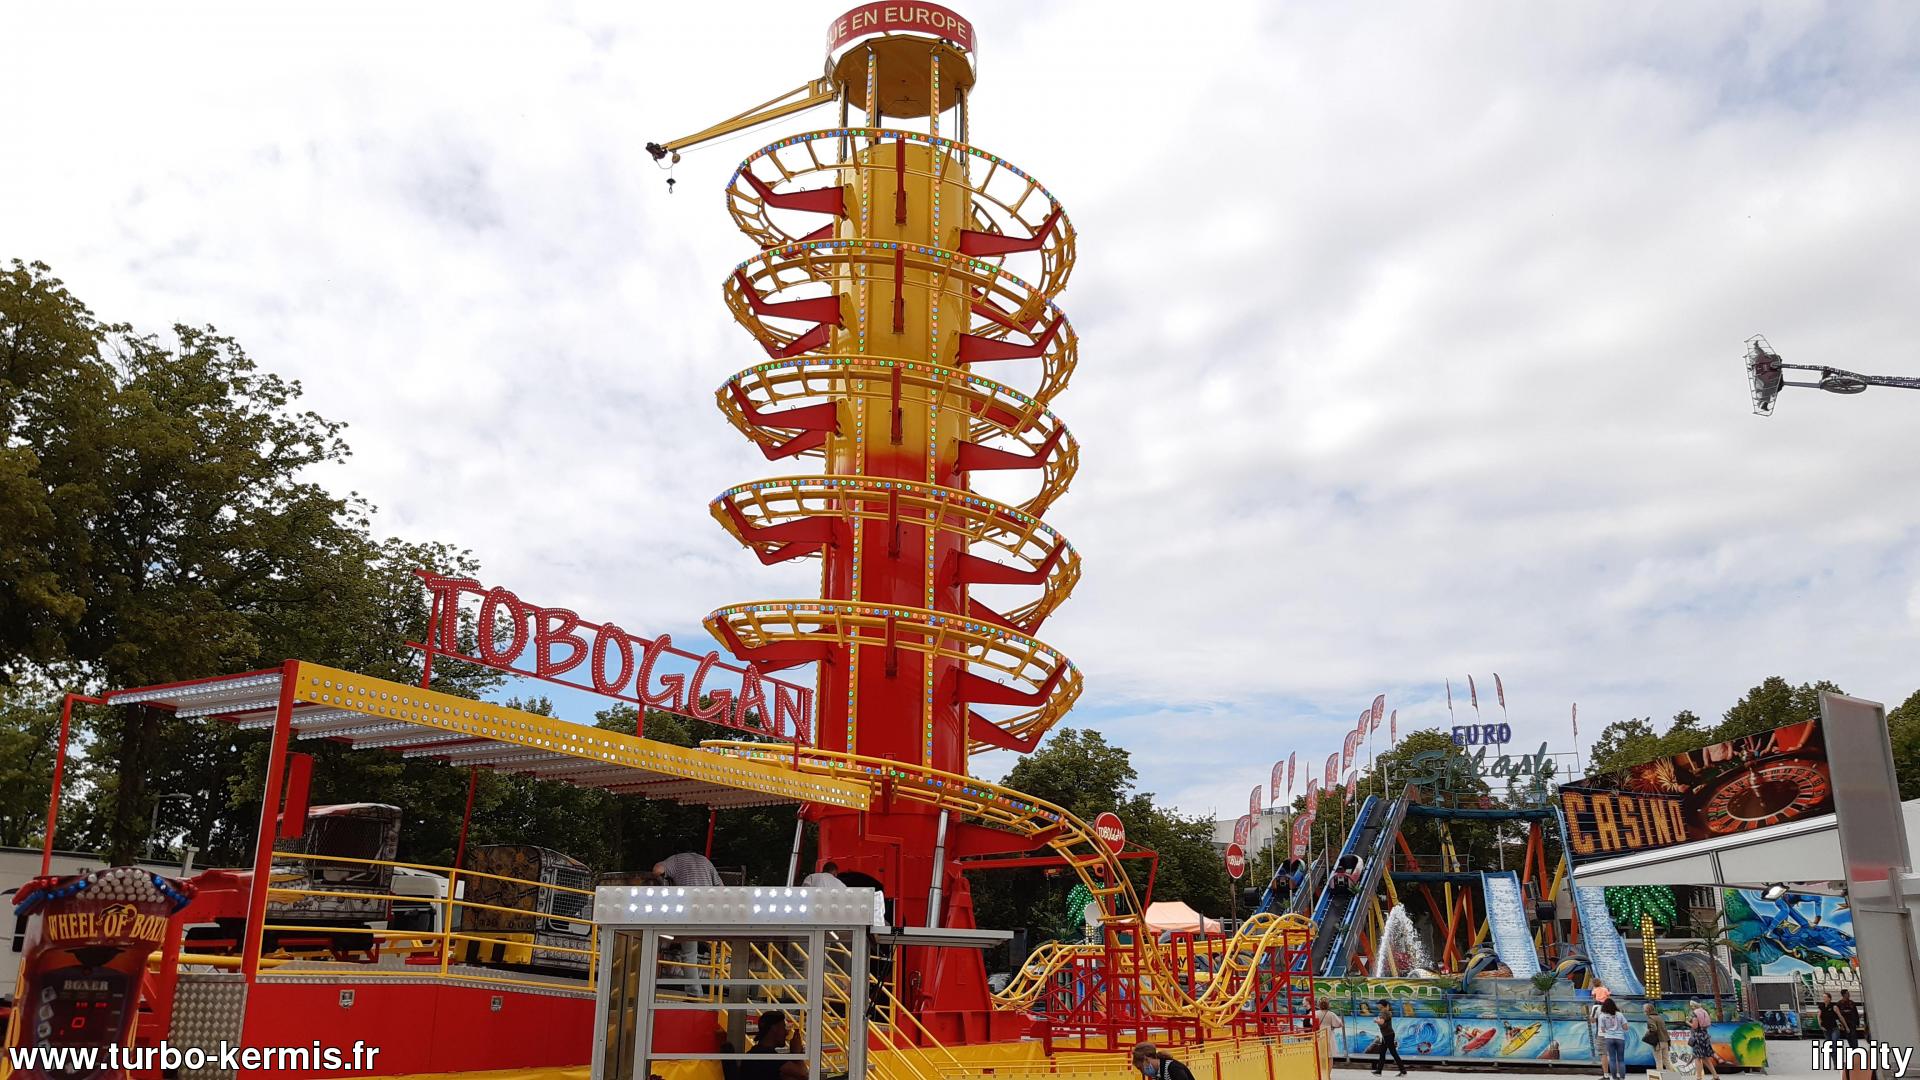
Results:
<point x="689" y="970"/>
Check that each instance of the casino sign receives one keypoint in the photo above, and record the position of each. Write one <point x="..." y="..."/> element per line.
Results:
<point x="1729" y="787"/>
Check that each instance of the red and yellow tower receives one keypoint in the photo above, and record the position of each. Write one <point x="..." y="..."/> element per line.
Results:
<point x="903" y="295"/>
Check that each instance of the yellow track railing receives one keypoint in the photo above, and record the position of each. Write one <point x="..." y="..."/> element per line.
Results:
<point x="1159" y="986"/>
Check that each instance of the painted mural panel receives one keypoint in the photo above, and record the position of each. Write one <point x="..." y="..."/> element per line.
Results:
<point x="1794" y="935"/>
<point x="1491" y="1026"/>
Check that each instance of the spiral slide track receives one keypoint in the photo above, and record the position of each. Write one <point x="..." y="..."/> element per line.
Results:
<point x="903" y="293"/>
<point x="871" y="340"/>
<point x="1160" y="988"/>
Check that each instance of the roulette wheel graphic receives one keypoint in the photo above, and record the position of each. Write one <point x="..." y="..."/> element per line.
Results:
<point x="1767" y="793"/>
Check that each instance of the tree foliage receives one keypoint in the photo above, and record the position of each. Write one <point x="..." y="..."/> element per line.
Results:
<point x="1080" y="771"/>
<point x="1903" y="726"/>
<point x="1773" y="703"/>
<point x="161" y="518"/>
<point x="1418" y="753"/>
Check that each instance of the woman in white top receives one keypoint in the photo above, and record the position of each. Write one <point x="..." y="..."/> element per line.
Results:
<point x="1325" y="1023"/>
<point x="1612" y="1027"/>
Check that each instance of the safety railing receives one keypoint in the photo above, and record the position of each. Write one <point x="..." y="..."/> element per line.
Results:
<point x="891" y="1024"/>
<point x="523" y="948"/>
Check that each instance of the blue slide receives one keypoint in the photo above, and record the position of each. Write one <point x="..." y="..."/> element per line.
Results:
<point x="1606" y="953"/>
<point x="1302" y="898"/>
<point x="1336" y="915"/>
<point x="1507" y="918"/>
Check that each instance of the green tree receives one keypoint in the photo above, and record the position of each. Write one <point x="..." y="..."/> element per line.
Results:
<point x="1080" y="771"/>
<point x="53" y="393"/>
<point x="1903" y="727"/>
<point x="29" y="731"/>
<point x="1633" y="741"/>
<point x="160" y="512"/>
<point x="1774" y="703"/>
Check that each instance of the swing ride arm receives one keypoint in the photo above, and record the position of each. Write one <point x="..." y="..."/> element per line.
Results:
<point x="799" y="99"/>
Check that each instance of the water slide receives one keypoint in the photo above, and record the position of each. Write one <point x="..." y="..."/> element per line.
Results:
<point x="1301" y="901"/>
<point x="1309" y="890"/>
<point x="1336" y="917"/>
<point x="1507" y="919"/>
<point x="1606" y="952"/>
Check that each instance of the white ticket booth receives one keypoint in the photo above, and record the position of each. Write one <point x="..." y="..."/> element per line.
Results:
<point x="686" y="974"/>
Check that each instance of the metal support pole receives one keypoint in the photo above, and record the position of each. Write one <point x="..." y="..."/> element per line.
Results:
<point x="713" y="815"/>
<point x="793" y="861"/>
<point x="816" y="999"/>
<point x="59" y="771"/>
<point x="939" y="870"/>
<point x="269" y="810"/>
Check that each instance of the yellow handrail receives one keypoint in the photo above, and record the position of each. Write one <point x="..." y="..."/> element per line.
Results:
<point x="1161" y="993"/>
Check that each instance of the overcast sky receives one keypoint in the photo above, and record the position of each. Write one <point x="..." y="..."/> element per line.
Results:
<point x="1410" y="334"/>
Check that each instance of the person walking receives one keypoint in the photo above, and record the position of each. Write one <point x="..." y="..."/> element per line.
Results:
<point x="1848" y="1011"/>
<point x="1613" y="1039"/>
<point x="1600" y="995"/>
<point x="688" y="868"/>
<point x="1325" y="1023"/>
<point x="1658" y="1040"/>
<point x="1388" y="1044"/>
<point x="1156" y="1064"/>
<point x="1700" y="1041"/>
<point x="1829" y="1018"/>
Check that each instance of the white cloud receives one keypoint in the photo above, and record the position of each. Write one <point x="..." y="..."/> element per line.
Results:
<point x="1410" y="335"/>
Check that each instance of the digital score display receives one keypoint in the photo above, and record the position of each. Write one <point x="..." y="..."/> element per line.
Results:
<point x="81" y="1007"/>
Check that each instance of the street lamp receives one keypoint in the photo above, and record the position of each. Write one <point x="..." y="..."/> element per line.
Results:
<point x="1766" y="376"/>
<point x="153" y="826"/>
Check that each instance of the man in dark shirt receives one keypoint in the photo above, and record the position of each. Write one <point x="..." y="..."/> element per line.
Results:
<point x="1829" y="1018"/>
<point x="773" y="1038"/>
<point x="1849" y="1011"/>
<point x="1388" y="1043"/>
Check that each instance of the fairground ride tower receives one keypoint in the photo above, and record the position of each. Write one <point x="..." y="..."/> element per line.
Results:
<point x="903" y="296"/>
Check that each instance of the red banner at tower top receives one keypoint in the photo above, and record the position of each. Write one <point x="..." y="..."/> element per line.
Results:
<point x="886" y="18"/>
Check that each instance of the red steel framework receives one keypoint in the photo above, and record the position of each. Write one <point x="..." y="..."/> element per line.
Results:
<point x="885" y="282"/>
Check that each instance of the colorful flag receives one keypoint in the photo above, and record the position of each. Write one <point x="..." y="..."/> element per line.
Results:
<point x="1576" y="725"/>
<point x="1449" y="697"/>
<point x="1302" y="833"/>
<point x="1393" y="726"/>
<point x="1499" y="691"/>
<point x="1379" y="713"/>
<point x="1253" y="802"/>
<point x="1273" y="784"/>
<point x="1473" y="694"/>
<point x="1361" y="727"/>
<point x="1313" y="795"/>
<point x="1351" y="778"/>
<point x="1290" y="758"/>
<point x="1243" y="831"/>
<point x="1333" y="770"/>
<point x="1346" y="751"/>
